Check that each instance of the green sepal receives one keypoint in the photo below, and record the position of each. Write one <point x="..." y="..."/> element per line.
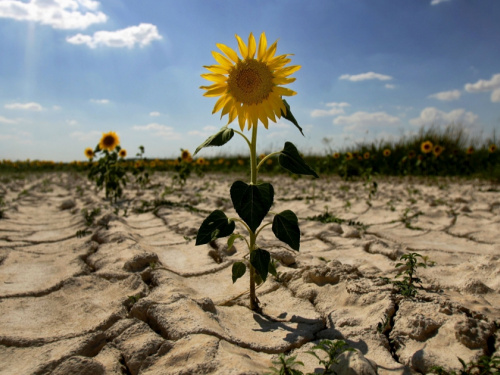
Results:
<point x="220" y="138"/>
<point x="252" y="202"/>
<point x="239" y="269"/>
<point x="260" y="259"/>
<point x="216" y="225"/>
<point x="289" y="116"/>
<point x="291" y="160"/>
<point x="286" y="228"/>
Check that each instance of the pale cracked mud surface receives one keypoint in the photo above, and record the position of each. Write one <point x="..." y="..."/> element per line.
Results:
<point x="136" y="296"/>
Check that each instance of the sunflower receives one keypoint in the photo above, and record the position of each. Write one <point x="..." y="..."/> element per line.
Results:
<point x="386" y="152"/>
<point x="249" y="87"/>
<point x="109" y="141"/>
<point x="470" y="150"/>
<point x="336" y="155"/>
<point x="411" y="154"/>
<point x="200" y="161"/>
<point x="186" y="156"/>
<point x="89" y="153"/>
<point x="492" y="148"/>
<point x="348" y="156"/>
<point x="426" y="147"/>
<point x="366" y="155"/>
<point x="437" y="150"/>
<point x="123" y="153"/>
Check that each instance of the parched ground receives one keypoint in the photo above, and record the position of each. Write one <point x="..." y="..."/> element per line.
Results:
<point x="134" y="295"/>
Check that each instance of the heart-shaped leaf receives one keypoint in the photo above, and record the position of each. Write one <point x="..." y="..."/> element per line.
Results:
<point x="223" y="136"/>
<point x="252" y="202"/>
<point x="291" y="160"/>
<point x="239" y="270"/>
<point x="216" y="225"/>
<point x="286" y="229"/>
<point x="260" y="261"/>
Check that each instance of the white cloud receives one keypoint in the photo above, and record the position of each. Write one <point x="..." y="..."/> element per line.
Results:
<point x="154" y="114"/>
<point x="159" y="130"/>
<point x="5" y="120"/>
<point x="72" y="122"/>
<point x="365" y="76"/>
<point x="390" y="86"/>
<point x="335" y="109"/>
<point x="434" y="116"/>
<point x="366" y="121"/>
<point x="31" y="106"/>
<point x="495" y="96"/>
<point x="483" y="85"/>
<point x="129" y="37"/>
<point x="447" y="95"/>
<point x="59" y="14"/>
<point x="99" y="101"/>
<point x="93" y="136"/>
<point x="436" y="2"/>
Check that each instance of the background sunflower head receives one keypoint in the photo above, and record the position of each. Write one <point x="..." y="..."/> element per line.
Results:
<point x="250" y="88"/>
<point x="123" y="153"/>
<point x="89" y="153"/>
<point x="109" y="141"/>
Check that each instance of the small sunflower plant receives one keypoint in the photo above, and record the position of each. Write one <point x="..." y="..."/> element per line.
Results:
<point x="108" y="171"/>
<point x="250" y="90"/>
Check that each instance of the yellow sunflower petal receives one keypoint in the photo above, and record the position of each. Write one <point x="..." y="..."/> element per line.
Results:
<point x="221" y="102"/>
<point x="283" y="91"/>
<point x="262" y="116"/>
<point x="222" y="60"/>
<point x="216" y="69"/>
<point x="216" y="91"/>
<point x="228" y="51"/>
<point x="242" y="47"/>
<point x="270" y="52"/>
<point x="227" y="107"/>
<point x="289" y="70"/>
<point x="241" y="117"/>
<point x="282" y="80"/>
<point x="269" y="110"/>
<point x="214" y="77"/>
<point x="251" y="46"/>
<point x="262" y="46"/>
<point x="232" y="115"/>
<point x="278" y="62"/>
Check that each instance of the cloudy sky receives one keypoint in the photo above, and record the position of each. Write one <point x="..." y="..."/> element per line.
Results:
<point x="371" y="69"/>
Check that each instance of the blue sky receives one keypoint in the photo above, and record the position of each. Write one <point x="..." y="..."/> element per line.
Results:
<point x="73" y="69"/>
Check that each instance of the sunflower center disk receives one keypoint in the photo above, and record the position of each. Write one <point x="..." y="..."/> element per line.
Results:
<point x="108" y="141"/>
<point x="250" y="81"/>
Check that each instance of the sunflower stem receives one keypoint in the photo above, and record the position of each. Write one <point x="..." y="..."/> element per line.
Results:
<point x="254" y="304"/>
<point x="267" y="157"/>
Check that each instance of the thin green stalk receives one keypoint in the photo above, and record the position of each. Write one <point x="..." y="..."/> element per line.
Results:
<point x="254" y="305"/>
<point x="267" y="157"/>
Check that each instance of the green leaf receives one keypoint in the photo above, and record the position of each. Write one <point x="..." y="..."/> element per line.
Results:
<point x="216" y="225"/>
<point x="286" y="229"/>
<point x="291" y="160"/>
<point x="223" y="136"/>
<point x="289" y="116"/>
<point x="272" y="268"/>
<point x="239" y="270"/>
<point x="260" y="261"/>
<point x="252" y="202"/>
<point x="232" y="238"/>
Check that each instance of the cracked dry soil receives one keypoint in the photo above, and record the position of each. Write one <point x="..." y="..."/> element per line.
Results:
<point x="136" y="296"/>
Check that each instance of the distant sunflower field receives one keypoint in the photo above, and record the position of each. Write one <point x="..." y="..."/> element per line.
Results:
<point x="432" y="152"/>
